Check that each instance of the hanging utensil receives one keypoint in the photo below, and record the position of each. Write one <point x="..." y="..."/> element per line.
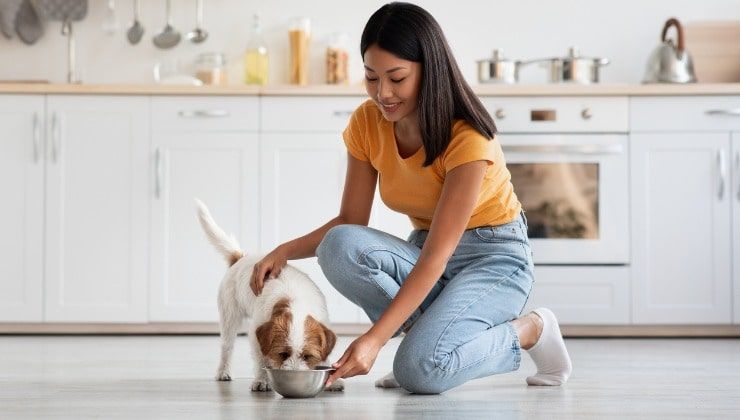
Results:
<point x="169" y="37"/>
<point x="65" y="11"/>
<point x="110" y="24"/>
<point x="28" y="25"/>
<point x="8" y="10"/>
<point x="670" y="63"/>
<point x="136" y="31"/>
<point x="198" y="35"/>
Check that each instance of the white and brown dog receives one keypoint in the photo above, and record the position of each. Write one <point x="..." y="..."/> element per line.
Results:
<point x="287" y="328"/>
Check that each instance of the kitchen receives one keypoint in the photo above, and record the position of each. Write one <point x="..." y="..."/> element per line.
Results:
<point x="104" y="249"/>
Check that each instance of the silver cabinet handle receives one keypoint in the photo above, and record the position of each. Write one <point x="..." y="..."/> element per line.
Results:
<point x="586" y="114"/>
<point x="204" y="113"/>
<point x="735" y="112"/>
<point x="580" y="149"/>
<point x="737" y="171"/>
<point x="158" y="173"/>
<point x="55" y="134"/>
<point x="342" y="113"/>
<point x="499" y="113"/>
<point x="722" y="172"/>
<point x="36" y="137"/>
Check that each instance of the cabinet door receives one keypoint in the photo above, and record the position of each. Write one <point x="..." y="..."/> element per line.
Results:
<point x="736" y="222"/>
<point x="302" y="183"/>
<point x="681" y="228"/>
<point x="21" y="212"/>
<point x="220" y="169"/>
<point x="96" y="208"/>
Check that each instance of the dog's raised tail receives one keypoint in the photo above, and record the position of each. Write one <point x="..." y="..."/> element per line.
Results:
<point x="226" y="245"/>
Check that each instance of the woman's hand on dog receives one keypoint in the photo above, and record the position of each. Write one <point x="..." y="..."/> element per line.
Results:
<point x="269" y="267"/>
<point x="357" y="359"/>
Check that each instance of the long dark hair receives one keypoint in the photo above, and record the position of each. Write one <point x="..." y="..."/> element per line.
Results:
<point x="411" y="33"/>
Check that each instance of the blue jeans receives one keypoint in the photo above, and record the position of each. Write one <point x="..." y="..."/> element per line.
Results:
<point x="461" y="331"/>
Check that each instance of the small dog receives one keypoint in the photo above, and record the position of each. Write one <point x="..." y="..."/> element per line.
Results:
<point x="288" y="319"/>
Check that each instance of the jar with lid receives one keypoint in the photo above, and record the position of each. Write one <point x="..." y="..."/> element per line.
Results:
<point x="210" y="68"/>
<point x="299" y="36"/>
<point x="337" y="59"/>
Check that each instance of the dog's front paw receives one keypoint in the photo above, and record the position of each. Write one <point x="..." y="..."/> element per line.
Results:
<point x="336" y="386"/>
<point x="260" y="385"/>
<point x="223" y="375"/>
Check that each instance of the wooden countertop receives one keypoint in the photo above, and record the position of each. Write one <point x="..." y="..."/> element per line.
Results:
<point x="358" y="90"/>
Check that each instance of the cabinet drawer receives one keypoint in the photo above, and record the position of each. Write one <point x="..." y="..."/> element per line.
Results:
<point x="705" y="113"/>
<point x="583" y="295"/>
<point x="559" y="114"/>
<point x="291" y="113"/>
<point x="205" y="113"/>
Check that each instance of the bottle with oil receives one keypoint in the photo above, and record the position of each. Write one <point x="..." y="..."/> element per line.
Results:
<point x="256" y="58"/>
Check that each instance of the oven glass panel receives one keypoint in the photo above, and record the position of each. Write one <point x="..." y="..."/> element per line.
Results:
<point x="561" y="200"/>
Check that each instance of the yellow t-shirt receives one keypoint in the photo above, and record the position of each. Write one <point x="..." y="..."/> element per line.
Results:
<point x="409" y="188"/>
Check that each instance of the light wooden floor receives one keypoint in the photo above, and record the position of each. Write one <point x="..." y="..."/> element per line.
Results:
<point x="170" y="377"/>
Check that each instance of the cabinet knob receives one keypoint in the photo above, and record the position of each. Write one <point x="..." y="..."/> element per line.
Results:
<point x="500" y="114"/>
<point x="586" y="114"/>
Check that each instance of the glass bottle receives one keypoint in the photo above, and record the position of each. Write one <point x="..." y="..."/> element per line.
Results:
<point x="256" y="59"/>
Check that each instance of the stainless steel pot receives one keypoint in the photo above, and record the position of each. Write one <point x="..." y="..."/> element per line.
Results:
<point x="574" y="68"/>
<point x="499" y="69"/>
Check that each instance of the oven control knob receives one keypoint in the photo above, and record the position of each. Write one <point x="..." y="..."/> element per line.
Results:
<point x="500" y="114"/>
<point x="586" y="114"/>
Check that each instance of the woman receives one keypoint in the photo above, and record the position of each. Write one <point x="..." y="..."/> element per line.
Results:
<point x="458" y="285"/>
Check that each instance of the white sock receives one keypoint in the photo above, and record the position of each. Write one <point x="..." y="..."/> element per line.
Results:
<point x="549" y="353"/>
<point x="387" y="381"/>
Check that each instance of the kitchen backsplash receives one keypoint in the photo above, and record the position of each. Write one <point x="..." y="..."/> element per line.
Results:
<point x="624" y="32"/>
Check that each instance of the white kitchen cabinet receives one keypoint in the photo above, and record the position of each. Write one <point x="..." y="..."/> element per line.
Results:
<point x="303" y="166"/>
<point x="205" y="148"/>
<point x="96" y="208"/>
<point x="681" y="228"/>
<point x="735" y="194"/>
<point x="583" y="295"/>
<point x="302" y="183"/>
<point x="21" y="212"/>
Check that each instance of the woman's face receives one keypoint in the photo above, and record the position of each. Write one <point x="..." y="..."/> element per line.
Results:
<point x="392" y="83"/>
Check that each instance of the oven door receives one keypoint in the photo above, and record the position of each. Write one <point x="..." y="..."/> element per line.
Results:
<point x="573" y="188"/>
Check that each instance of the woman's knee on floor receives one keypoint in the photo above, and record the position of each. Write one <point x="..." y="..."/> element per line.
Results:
<point x="416" y="371"/>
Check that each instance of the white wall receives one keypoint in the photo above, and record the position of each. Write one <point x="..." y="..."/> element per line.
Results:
<point x="624" y="31"/>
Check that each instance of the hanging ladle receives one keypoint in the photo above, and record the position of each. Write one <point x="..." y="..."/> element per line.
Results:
<point x="198" y="35"/>
<point x="136" y="31"/>
<point x="169" y="37"/>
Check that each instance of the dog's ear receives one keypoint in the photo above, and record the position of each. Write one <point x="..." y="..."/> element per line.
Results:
<point x="331" y="340"/>
<point x="264" y="337"/>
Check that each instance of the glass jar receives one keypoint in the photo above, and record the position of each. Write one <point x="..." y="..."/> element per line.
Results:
<point x="210" y="68"/>
<point x="299" y="36"/>
<point x="337" y="60"/>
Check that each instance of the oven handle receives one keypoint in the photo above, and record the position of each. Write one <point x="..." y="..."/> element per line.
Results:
<point x="571" y="149"/>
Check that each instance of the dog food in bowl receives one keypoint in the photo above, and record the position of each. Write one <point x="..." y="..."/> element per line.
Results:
<point x="299" y="383"/>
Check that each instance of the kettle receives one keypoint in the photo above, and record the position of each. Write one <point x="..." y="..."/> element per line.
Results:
<point x="670" y="63"/>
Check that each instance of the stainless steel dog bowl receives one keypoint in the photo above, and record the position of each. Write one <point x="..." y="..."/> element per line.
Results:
<point x="299" y="383"/>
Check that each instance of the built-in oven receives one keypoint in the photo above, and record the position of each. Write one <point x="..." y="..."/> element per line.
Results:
<point x="573" y="189"/>
<point x="568" y="159"/>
